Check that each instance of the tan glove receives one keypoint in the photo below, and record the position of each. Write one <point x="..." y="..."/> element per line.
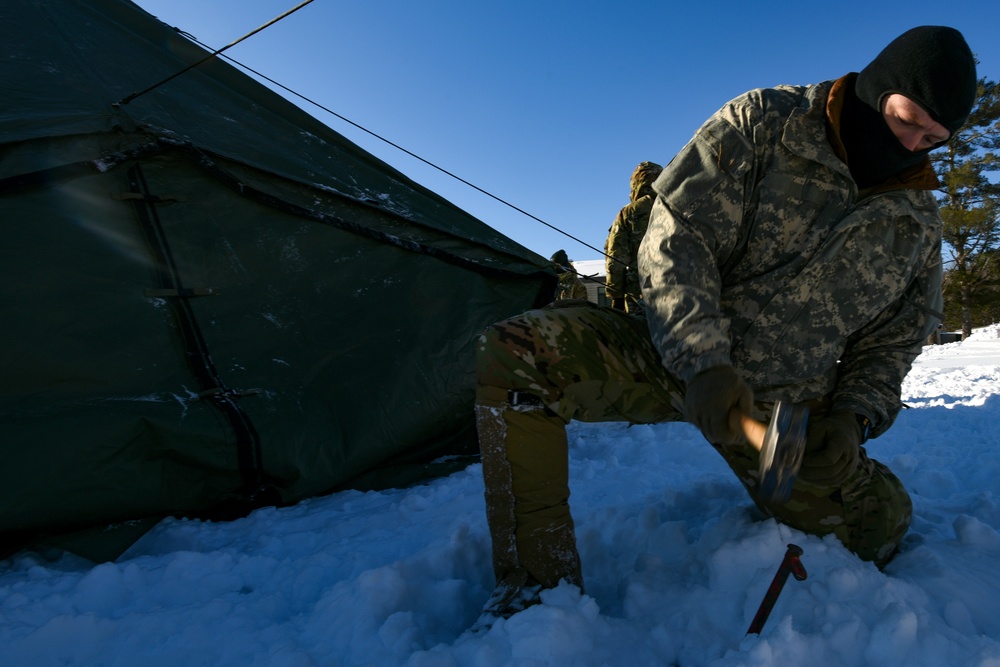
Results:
<point x="833" y="446"/>
<point x="711" y="397"/>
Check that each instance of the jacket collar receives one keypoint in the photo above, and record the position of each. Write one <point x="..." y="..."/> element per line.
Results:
<point x="919" y="177"/>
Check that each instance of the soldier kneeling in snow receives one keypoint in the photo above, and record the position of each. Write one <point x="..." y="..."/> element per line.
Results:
<point x="793" y="253"/>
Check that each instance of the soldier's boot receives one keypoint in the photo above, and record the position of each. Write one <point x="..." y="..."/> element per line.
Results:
<point x="526" y="474"/>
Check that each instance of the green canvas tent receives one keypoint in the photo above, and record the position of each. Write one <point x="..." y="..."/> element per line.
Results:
<point x="212" y="301"/>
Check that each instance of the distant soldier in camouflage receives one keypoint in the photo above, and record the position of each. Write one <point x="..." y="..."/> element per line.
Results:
<point x="570" y="285"/>
<point x="622" y="246"/>
<point x="794" y="253"/>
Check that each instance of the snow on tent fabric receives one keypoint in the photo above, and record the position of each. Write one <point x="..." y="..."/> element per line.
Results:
<point x="212" y="301"/>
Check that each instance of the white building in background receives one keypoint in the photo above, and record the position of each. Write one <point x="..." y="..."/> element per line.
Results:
<point x="593" y="274"/>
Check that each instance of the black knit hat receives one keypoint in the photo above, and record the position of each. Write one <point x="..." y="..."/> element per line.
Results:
<point x="931" y="65"/>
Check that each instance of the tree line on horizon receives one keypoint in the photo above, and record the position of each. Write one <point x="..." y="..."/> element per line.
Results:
<point x="969" y="200"/>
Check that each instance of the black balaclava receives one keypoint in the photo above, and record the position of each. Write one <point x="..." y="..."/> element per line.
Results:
<point x="561" y="259"/>
<point x="931" y="65"/>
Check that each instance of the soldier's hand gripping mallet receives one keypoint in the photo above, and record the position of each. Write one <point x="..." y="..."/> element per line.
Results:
<point x="781" y="444"/>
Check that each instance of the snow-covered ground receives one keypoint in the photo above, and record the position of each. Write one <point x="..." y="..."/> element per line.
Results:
<point x="675" y="559"/>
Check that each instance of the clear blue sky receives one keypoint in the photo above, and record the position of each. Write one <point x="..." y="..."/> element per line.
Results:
<point x="550" y="105"/>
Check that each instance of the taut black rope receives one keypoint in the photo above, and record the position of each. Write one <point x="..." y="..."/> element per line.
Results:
<point x="213" y="54"/>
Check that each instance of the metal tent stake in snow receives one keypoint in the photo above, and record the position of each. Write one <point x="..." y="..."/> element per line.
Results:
<point x="789" y="564"/>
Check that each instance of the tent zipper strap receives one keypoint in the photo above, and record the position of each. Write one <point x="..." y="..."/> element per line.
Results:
<point x="237" y="393"/>
<point x="199" y="360"/>
<point x="156" y="199"/>
<point x="179" y="292"/>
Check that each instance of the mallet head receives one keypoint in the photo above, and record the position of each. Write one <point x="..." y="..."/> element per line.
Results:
<point x="781" y="452"/>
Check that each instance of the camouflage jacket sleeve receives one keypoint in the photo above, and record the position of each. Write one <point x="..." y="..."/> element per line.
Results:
<point x="878" y="358"/>
<point x="694" y="226"/>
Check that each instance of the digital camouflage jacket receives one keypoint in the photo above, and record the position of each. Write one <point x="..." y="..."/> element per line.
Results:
<point x="761" y="253"/>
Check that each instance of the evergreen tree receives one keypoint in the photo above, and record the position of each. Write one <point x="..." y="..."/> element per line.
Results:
<point x="983" y="304"/>
<point x="970" y="207"/>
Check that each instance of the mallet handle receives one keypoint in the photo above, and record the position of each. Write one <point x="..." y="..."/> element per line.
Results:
<point x="753" y="430"/>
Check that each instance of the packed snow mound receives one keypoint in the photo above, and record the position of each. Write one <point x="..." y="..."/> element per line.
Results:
<point x="991" y="332"/>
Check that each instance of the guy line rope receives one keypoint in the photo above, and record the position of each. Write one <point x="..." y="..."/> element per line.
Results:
<point x="219" y="52"/>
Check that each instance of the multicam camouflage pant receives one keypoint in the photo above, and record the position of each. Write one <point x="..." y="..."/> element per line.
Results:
<point x="575" y="360"/>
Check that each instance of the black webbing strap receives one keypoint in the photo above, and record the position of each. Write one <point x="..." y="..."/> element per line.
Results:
<point x="199" y="360"/>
